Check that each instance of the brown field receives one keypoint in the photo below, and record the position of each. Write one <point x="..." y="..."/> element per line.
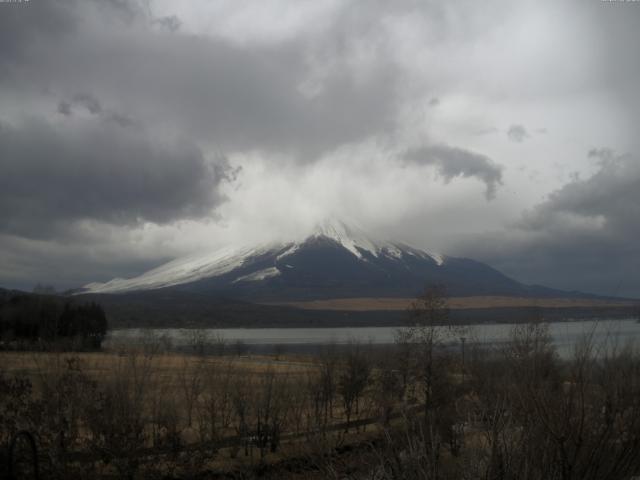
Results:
<point x="167" y="365"/>
<point x="363" y="304"/>
<point x="201" y="392"/>
<point x="356" y="413"/>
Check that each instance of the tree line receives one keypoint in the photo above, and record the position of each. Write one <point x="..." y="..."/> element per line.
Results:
<point x="26" y="319"/>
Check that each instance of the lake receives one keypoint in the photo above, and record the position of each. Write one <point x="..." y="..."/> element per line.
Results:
<point x="565" y="335"/>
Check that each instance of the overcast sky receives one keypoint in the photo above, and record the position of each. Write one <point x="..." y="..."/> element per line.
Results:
<point x="133" y="132"/>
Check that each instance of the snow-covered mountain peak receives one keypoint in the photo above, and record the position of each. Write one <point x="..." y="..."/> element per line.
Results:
<point x="261" y="262"/>
<point x="357" y="241"/>
<point x="350" y="237"/>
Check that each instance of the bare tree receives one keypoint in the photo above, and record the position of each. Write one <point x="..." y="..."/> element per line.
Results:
<point x="321" y="385"/>
<point x="216" y="409"/>
<point x="270" y="409"/>
<point x="403" y="362"/>
<point x="422" y="362"/>
<point x="241" y="397"/>
<point x="117" y="416"/>
<point x="353" y="380"/>
<point x="389" y="390"/>
<point x="198" y="340"/>
<point x="190" y="378"/>
<point x="219" y="344"/>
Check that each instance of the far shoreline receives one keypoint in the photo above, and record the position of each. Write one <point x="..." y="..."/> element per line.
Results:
<point x="363" y="304"/>
<point x="397" y="319"/>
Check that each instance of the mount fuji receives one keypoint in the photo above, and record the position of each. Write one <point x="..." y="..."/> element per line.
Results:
<point x="335" y="261"/>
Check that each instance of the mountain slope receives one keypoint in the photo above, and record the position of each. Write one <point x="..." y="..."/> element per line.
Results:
<point x="335" y="261"/>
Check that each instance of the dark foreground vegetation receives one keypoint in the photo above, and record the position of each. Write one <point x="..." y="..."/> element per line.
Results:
<point x="413" y="411"/>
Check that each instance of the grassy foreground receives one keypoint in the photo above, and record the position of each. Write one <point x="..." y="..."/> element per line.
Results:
<point x="408" y="411"/>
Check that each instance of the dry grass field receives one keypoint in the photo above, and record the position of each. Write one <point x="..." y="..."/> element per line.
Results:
<point x="414" y="411"/>
<point x="179" y="413"/>
<point x="363" y="304"/>
<point x="99" y="365"/>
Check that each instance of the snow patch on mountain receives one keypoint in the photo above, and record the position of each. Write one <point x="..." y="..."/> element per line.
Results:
<point x="392" y="251"/>
<point x="357" y="241"/>
<point x="351" y="238"/>
<point x="259" y="275"/>
<point x="182" y="270"/>
<point x="289" y="251"/>
<point x="439" y="259"/>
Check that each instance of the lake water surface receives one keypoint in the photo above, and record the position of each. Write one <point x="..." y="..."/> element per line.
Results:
<point x="565" y="335"/>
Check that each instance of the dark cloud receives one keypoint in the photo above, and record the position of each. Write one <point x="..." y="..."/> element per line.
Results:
<point x="93" y="106"/>
<point x="583" y="237"/>
<point x="604" y="156"/>
<point x="120" y="119"/>
<point x="65" y="265"/>
<point x="123" y="10"/>
<point x="452" y="162"/>
<point x="26" y="25"/>
<point x="171" y="23"/>
<point x="89" y="102"/>
<point x="517" y="133"/>
<point x="30" y="29"/>
<point x="53" y="175"/>
<point x="64" y="108"/>
<point x="84" y="100"/>
<point x="303" y="97"/>
<point x="249" y="98"/>
<point x="606" y="204"/>
<point x="120" y="76"/>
